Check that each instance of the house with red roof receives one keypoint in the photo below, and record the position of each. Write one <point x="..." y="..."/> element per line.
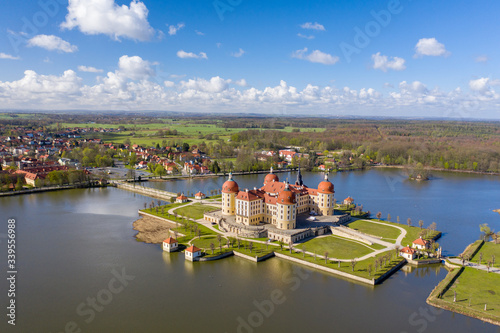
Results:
<point x="181" y="198"/>
<point x="421" y="244"/>
<point x="192" y="253"/>
<point x="408" y="253"/>
<point x="170" y="244"/>
<point x="200" y="195"/>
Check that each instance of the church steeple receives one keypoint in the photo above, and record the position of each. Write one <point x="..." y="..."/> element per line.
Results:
<point x="299" y="179"/>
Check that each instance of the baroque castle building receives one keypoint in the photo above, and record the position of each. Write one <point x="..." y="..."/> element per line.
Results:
<point x="276" y="202"/>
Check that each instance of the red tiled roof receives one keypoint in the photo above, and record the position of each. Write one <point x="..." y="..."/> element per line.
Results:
<point x="170" y="240"/>
<point x="421" y="241"/>
<point x="192" y="249"/>
<point x="408" y="250"/>
<point x="199" y="194"/>
<point x="250" y="195"/>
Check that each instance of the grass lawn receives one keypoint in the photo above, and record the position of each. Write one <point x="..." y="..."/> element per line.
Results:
<point x="195" y="210"/>
<point x="204" y="242"/>
<point x="488" y="250"/>
<point x="337" y="247"/>
<point x="258" y="249"/>
<point x="412" y="233"/>
<point x="478" y="286"/>
<point x="387" y="232"/>
<point x="361" y="268"/>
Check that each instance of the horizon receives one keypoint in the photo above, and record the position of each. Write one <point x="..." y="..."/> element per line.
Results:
<point x="396" y="59"/>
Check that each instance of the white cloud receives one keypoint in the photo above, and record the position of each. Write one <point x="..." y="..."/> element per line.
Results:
<point x="430" y="47"/>
<point x="383" y="63"/>
<point x="479" y="84"/>
<point x="172" y="29"/>
<point x="169" y="84"/>
<point x="482" y="59"/>
<point x="305" y="36"/>
<point x="95" y="17"/>
<point x="241" y="83"/>
<point x="8" y="56"/>
<point x="177" y="76"/>
<point x="214" y="85"/>
<point x="135" y="68"/>
<point x="89" y="69"/>
<point x="199" y="33"/>
<point x="51" y="43"/>
<point x="238" y="54"/>
<point x="187" y="55"/>
<point x="313" y="26"/>
<point x="316" y="56"/>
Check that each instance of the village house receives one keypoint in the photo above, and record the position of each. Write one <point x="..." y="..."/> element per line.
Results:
<point x="181" y="198"/>
<point x="408" y="253"/>
<point x="200" y="196"/>
<point x="170" y="244"/>
<point x="421" y="244"/>
<point x="192" y="253"/>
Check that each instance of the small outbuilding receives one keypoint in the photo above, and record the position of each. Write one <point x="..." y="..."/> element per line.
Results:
<point x="192" y="253"/>
<point x="170" y="244"/>
<point x="408" y="253"/>
<point x="181" y="199"/>
<point x="421" y="244"/>
<point x="348" y="201"/>
<point x="200" y="196"/>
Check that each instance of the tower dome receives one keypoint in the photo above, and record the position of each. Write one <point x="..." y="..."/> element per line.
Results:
<point x="271" y="177"/>
<point x="230" y="186"/>
<point x="286" y="197"/>
<point x="325" y="186"/>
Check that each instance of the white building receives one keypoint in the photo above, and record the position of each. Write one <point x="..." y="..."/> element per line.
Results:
<point x="170" y="245"/>
<point x="192" y="253"/>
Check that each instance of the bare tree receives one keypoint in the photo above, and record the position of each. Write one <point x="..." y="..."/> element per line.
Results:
<point x="290" y="245"/>
<point x="398" y="219"/>
<point x="420" y="224"/>
<point x="408" y="222"/>
<point x="488" y="266"/>
<point x="379" y="215"/>
<point x="239" y="242"/>
<point x="480" y="258"/>
<point x="353" y="263"/>
<point x="303" y="251"/>
<point x="250" y="246"/>
<point x="212" y="247"/>
<point x="326" y="257"/>
<point x="219" y="239"/>
<point x="389" y="217"/>
<point x="369" y="269"/>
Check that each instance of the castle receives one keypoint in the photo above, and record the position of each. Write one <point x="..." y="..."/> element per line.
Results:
<point x="276" y="202"/>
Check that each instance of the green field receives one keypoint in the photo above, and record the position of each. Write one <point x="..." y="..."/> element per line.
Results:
<point x="204" y="242"/>
<point x="361" y="268"/>
<point x="388" y="233"/>
<point x="337" y="247"/>
<point x="479" y="288"/>
<point x="412" y="233"/>
<point x="195" y="210"/>
<point x="488" y="250"/>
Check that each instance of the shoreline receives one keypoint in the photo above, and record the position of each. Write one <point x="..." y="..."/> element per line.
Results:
<point x="439" y="169"/>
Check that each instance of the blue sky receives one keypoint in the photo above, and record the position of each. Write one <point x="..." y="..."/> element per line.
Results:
<point x="371" y="58"/>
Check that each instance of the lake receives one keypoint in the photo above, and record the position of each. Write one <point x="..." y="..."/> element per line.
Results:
<point x="80" y="268"/>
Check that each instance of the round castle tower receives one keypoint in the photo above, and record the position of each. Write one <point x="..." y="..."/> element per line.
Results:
<point x="325" y="196"/>
<point x="229" y="192"/>
<point x="286" y="209"/>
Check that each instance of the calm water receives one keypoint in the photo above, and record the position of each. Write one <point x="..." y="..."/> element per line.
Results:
<point x="70" y="242"/>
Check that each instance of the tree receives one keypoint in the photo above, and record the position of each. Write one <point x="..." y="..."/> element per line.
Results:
<point x="326" y="257"/>
<point x="485" y="229"/>
<point x="303" y="251"/>
<point x="379" y="215"/>
<point x="19" y="184"/>
<point x="488" y="266"/>
<point x="408" y="222"/>
<point x="353" y="263"/>
<point x="212" y="247"/>
<point x="369" y="269"/>
<point x="389" y="217"/>
<point x="290" y="246"/>
<point x="250" y="246"/>
<point x="480" y="258"/>
<point x="420" y="224"/>
<point x="219" y="239"/>
<point x="398" y="219"/>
